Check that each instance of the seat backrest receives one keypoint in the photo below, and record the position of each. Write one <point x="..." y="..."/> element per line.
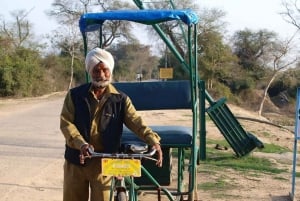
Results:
<point x="158" y="94"/>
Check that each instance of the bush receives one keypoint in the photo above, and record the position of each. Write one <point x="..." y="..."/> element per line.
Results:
<point x="220" y="90"/>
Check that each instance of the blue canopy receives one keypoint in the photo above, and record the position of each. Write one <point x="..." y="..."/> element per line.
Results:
<point x="92" y="21"/>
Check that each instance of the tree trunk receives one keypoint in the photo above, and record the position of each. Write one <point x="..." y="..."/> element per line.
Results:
<point x="265" y="94"/>
<point x="72" y="67"/>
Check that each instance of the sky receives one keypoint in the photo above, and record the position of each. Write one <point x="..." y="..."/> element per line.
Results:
<point x="42" y="24"/>
<point x="253" y="14"/>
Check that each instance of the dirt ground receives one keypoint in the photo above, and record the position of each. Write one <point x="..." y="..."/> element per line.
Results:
<point x="31" y="153"/>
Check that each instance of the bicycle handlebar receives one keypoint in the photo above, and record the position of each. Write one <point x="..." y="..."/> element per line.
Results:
<point x="147" y="155"/>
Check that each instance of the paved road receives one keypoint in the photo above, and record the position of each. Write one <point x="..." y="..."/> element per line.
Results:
<point x="31" y="150"/>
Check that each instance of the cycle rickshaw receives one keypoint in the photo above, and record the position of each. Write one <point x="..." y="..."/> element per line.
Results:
<point x="183" y="94"/>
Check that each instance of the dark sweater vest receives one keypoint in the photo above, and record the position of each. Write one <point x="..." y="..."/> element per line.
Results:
<point x="111" y="121"/>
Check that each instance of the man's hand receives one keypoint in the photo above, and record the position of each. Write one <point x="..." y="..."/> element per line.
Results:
<point x="84" y="152"/>
<point x="159" y="153"/>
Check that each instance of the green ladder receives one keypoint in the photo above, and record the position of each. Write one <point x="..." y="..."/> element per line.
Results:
<point x="242" y="142"/>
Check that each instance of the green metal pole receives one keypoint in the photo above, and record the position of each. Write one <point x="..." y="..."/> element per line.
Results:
<point x="202" y="123"/>
<point x="180" y="23"/>
<point x="166" y="191"/>
<point x="139" y="4"/>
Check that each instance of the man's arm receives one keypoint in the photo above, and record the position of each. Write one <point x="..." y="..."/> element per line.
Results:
<point x="69" y="130"/>
<point x="135" y="123"/>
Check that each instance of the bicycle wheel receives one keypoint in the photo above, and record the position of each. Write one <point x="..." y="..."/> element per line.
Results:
<point x="121" y="196"/>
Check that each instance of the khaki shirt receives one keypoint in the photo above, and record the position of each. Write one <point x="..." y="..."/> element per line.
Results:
<point x="132" y="120"/>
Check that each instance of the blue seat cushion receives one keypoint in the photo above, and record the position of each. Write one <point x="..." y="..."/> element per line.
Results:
<point x="167" y="95"/>
<point x="171" y="136"/>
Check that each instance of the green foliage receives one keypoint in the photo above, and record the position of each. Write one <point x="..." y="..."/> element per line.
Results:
<point x="215" y="57"/>
<point x="169" y="60"/>
<point x="20" y="73"/>
<point x="288" y="81"/>
<point x="133" y="59"/>
<point x="58" y="72"/>
<point x="240" y="84"/>
<point x="281" y="84"/>
<point x="250" y="46"/>
<point x="220" y="90"/>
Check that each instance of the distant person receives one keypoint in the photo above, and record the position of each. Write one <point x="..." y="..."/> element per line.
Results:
<point x="92" y="117"/>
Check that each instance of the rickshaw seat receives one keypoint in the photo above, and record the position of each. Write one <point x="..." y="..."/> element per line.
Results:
<point x="159" y="95"/>
<point x="171" y="135"/>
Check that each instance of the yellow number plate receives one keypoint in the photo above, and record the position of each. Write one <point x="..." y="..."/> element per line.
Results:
<point x="121" y="167"/>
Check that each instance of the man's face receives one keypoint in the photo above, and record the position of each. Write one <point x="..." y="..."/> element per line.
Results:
<point x="101" y="75"/>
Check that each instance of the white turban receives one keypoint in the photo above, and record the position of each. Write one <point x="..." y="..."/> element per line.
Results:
<point x="95" y="56"/>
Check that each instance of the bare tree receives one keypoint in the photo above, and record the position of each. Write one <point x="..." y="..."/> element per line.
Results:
<point x="173" y="29"/>
<point x="277" y="56"/>
<point x="63" y="9"/>
<point x="291" y="13"/>
<point x="68" y="39"/>
<point x="19" y="31"/>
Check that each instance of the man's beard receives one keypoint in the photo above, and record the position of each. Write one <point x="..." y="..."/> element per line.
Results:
<point x="101" y="83"/>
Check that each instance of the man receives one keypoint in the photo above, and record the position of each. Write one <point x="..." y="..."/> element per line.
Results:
<point x="92" y="117"/>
